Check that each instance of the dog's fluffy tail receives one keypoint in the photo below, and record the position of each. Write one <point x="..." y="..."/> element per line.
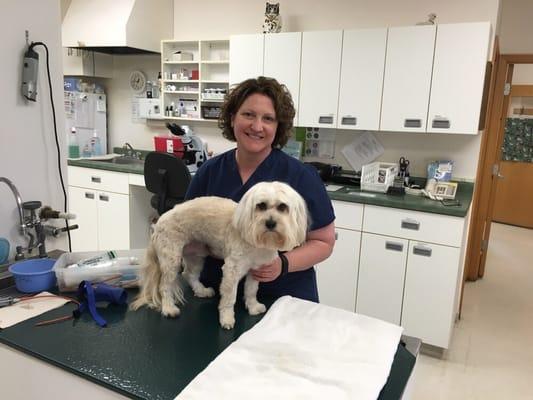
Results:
<point x="150" y="281"/>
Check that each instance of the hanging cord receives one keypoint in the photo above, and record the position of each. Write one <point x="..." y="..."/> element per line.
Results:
<point x="56" y="136"/>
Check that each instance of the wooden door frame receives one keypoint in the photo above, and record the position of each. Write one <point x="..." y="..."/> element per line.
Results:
<point x="485" y="188"/>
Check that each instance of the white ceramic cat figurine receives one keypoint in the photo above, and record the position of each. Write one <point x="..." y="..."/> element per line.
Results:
<point x="272" y="22"/>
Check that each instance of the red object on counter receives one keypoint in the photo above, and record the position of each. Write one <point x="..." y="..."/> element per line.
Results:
<point x="194" y="75"/>
<point x="168" y="144"/>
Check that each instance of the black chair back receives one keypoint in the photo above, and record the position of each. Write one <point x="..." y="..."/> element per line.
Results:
<point x="168" y="178"/>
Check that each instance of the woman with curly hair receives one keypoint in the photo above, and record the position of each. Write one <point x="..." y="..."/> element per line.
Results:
<point x="257" y="114"/>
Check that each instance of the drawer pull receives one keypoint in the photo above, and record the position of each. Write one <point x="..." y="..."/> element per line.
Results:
<point x="441" y="123"/>
<point x="103" y="197"/>
<point x="422" y="251"/>
<point x="412" y="123"/>
<point x="89" y="195"/>
<point x="394" y="246"/>
<point x="410" y="224"/>
<point x="96" y="179"/>
<point x="349" y="121"/>
<point x="325" y="119"/>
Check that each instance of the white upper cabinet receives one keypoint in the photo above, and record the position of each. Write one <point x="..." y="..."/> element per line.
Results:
<point x="461" y="52"/>
<point x="246" y="57"/>
<point x="407" y="79"/>
<point x="361" y="81"/>
<point x="282" y="62"/>
<point x="319" y="81"/>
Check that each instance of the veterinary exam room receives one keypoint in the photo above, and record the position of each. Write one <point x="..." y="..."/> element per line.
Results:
<point x="252" y="199"/>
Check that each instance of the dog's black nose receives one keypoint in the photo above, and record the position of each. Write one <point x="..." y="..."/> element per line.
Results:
<point x="270" y="224"/>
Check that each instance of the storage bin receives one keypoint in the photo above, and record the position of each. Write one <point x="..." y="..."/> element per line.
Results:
<point x="125" y="275"/>
<point x="378" y="176"/>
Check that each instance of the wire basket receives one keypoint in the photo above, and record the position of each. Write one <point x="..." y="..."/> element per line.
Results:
<point x="378" y="176"/>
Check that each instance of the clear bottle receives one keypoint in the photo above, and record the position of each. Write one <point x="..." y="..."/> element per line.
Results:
<point x="86" y="151"/>
<point x="73" y="144"/>
<point x="96" y="146"/>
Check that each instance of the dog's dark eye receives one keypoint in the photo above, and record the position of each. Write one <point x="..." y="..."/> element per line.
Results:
<point x="282" y="207"/>
<point x="261" y="206"/>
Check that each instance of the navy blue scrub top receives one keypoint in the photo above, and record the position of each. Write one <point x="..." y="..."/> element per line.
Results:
<point x="220" y="176"/>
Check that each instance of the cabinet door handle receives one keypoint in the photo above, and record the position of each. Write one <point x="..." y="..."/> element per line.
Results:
<point x="103" y="197"/>
<point x="325" y="119"/>
<point x="410" y="224"/>
<point x="89" y="195"/>
<point x="422" y="250"/>
<point x="96" y="179"/>
<point x="441" y="123"/>
<point x="395" y="246"/>
<point x="349" y="121"/>
<point x="412" y="123"/>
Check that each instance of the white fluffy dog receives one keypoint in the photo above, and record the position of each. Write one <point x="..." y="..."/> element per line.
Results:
<point x="271" y="216"/>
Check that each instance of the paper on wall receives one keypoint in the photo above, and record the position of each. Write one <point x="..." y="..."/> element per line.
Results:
<point x="363" y="150"/>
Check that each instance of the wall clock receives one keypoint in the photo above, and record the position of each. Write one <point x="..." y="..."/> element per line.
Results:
<point x="137" y="81"/>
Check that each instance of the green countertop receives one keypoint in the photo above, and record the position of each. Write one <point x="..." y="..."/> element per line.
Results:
<point x="143" y="355"/>
<point x="347" y="193"/>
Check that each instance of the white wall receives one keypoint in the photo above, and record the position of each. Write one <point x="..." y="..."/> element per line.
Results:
<point x="214" y="19"/>
<point x="28" y="154"/>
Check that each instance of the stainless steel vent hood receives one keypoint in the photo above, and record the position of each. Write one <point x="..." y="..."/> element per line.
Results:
<point x="118" y="26"/>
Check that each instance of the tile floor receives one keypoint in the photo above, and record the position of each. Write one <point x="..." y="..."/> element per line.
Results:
<point x="491" y="353"/>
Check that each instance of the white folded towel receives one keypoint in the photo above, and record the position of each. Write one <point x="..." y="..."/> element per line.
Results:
<point x="302" y="350"/>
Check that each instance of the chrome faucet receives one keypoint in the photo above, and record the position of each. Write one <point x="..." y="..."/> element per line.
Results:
<point x="34" y="221"/>
<point x="18" y="199"/>
<point x="129" y="151"/>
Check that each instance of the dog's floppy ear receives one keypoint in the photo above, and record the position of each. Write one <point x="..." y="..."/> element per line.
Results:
<point x="300" y="217"/>
<point x="242" y="218"/>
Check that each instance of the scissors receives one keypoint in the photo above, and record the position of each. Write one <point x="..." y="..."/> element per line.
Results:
<point x="404" y="165"/>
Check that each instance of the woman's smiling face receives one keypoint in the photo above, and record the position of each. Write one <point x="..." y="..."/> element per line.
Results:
<point x="255" y="125"/>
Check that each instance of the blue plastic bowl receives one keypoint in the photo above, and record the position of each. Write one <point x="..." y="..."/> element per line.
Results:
<point x="34" y="275"/>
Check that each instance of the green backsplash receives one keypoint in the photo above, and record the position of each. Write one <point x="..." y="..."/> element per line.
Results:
<point x="518" y="140"/>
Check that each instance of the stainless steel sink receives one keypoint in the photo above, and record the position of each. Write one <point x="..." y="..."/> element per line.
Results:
<point x="122" y="160"/>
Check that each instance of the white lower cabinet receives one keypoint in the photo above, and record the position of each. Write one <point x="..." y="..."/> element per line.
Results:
<point x="381" y="267"/>
<point x="337" y="276"/>
<point x="103" y="216"/>
<point x="429" y="295"/>
<point x="381" y="277"/>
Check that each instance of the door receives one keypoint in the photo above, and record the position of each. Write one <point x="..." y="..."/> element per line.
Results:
<point x="407" y="78"/>
<point x="337" y="276"/>
<point x="83" y="203"/>
<point x="429" y="295"/>
<point x="113" y="221"/>
<point x="320" y="76"/>
<point x="381" y="277"/>
<point x="282" y="62"/>
<point x="514" y="192"/>
<point x="361" y="82"/>
<point x="245" y="57"/>
<point x="458" y="77"/>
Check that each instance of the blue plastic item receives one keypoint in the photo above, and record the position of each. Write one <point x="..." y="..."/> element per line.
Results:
<point x="4" y="250"/>
<point x="89" y="294"/>
<point x="34" y="275"/>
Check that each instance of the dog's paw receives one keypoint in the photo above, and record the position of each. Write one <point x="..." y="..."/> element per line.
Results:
<point x="255" y="308"/>
<point x="170" y="311"/>
<point x="227" y="319"/>
<point x="204" y="292"/>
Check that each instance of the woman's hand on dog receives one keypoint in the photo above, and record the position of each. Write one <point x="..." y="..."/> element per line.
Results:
<point x="268" y="272"/>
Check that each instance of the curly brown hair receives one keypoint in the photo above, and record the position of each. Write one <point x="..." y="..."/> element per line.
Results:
<point x="277" y="92"/>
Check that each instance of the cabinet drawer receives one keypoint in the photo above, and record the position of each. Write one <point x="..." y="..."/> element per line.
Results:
<point x="348" y="215"/>
<point x="415" y="225"/>
<point x="98" y="179"/>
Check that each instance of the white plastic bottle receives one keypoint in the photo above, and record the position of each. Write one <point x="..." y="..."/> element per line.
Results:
<point x="96" y="146"/>
<point x="73" y="144"/>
